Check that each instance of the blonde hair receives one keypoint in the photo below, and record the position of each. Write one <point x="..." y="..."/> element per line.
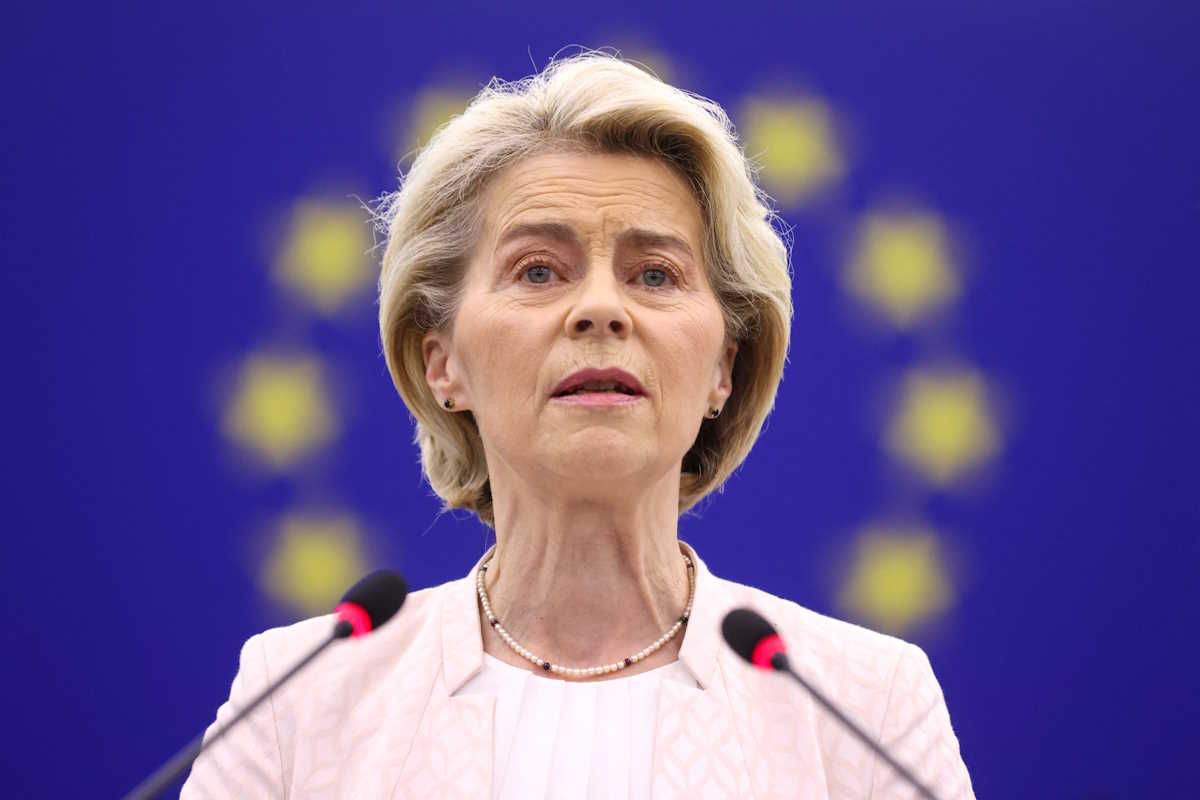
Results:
<point x="600" y="103"/>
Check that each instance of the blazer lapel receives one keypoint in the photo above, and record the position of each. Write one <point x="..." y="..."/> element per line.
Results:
<point x="452" y="753"/>
<point x="742" y="732"/>
<point x="775" y="725"/>
<point x="696" y="749"/>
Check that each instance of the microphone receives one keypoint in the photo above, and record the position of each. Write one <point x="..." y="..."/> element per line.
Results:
<point x="757" y="641"/>
<point x="371" y="602"/>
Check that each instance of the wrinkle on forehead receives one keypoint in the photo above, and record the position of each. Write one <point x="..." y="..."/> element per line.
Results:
<point x="599" y="192"/>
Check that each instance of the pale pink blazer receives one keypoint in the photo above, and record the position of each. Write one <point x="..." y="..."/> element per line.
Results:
<point x="379" y="718"/>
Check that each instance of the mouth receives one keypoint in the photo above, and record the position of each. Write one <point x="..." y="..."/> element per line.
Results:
<point x="600" y="387"/>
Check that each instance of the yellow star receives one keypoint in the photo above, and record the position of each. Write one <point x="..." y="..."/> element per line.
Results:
<point x="635" y="48"/>
<point x="314" y="560"/>
<point x="794" y="142"/>
<point x="324" y="256"/>
<point x="901" y="267"/>
<point x="432" y="109"/>
<point x="897" y="579"/>
<point x="655" y="61"/>
<point x="943" y="425"/>
<point x="280" y="409"/>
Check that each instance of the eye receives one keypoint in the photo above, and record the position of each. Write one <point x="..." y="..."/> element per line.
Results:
<point x="539" y="273"/>
<point x="657" y="277"/>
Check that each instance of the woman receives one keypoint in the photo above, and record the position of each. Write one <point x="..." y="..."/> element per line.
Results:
<point x="585" y="306"/>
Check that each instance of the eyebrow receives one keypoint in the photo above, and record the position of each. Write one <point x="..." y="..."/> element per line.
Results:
<point x="557" y="231"/>
<point x="640" y="238"/>
<point x="643" y="239"/>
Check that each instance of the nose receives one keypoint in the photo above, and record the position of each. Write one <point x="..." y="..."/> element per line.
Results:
<point x="600" y="307"/>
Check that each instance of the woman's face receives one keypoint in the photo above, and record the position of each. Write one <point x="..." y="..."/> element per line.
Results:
<point x="586" y="261"/>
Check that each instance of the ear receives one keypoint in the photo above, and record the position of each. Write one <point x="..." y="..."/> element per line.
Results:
<point x="723" y="374"/>
<point x="441" y="369"/>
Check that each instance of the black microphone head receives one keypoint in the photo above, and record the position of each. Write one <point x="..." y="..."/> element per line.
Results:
<point x="751" y="637"/>
<point x="373" y="601"/>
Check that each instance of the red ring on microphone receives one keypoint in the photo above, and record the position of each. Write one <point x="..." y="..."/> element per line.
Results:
<point x="765" y="650"/>
<point x="357" y="616"/>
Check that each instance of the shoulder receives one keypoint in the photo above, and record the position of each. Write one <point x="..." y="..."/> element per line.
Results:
<point x="798" y="625"/>
<point x="885" y="683"/>
<point x="412" y="633"/>
<point x="822" y="646"/>
<point x="332" y="708"/>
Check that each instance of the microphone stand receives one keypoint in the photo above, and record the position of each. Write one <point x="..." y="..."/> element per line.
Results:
<point x="780" y="663"/>
<point x="165" y="775"/>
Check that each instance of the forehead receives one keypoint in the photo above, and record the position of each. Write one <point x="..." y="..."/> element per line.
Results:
<point x="598" y="194"/>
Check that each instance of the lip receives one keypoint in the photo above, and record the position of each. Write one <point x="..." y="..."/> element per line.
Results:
<point x="607" y="374"/>
<point x="599" y="399"/>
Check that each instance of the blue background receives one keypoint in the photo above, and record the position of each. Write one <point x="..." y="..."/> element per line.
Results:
<point x="145" y="147"/>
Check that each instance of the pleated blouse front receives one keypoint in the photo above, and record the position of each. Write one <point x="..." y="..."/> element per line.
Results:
<point x="558" y="738"/>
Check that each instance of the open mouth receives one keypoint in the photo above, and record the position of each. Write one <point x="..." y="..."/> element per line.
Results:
<point x="598" y="387"/>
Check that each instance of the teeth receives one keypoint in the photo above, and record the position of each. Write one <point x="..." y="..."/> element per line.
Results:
<point x="600" y="386"/>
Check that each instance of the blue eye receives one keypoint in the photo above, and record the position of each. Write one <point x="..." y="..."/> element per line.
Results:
<point x="538" y="274"/>
<point x="655" y="277"/>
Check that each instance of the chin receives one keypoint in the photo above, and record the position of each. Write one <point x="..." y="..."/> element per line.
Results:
<point x="604" y="460"/>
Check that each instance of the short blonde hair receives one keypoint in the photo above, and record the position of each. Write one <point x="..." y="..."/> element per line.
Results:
<point x="599" y="103"/>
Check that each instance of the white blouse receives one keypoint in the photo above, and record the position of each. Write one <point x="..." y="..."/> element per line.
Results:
<point x="557" y="738"/>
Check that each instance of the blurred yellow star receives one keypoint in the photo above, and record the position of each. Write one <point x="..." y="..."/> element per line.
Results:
<point x="324" y="256"/>
<point x="794" y="142"/>
<point x="901" y="267"/>
<point x="655" y="61"/>
<point x="635" y="48"/>
<point x="432" y="109"/>
<point x="897" y="578"/>
<point x="943" y="425"/>
<point x="314" y="560"/>
<point x="280" y="409"/>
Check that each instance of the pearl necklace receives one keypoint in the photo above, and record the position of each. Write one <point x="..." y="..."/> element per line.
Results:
<point x="585" y="672"/>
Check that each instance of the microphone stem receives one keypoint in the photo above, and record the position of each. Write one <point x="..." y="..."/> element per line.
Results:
<point x="780" y="662"/>
<point x="165" y="775"/>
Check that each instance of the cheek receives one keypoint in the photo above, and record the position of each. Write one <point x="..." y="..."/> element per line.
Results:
<point x="690" y="352"/>
<point x="501" y="354"/>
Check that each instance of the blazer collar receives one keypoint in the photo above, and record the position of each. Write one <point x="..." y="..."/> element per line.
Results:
<point x="462" y="637"/>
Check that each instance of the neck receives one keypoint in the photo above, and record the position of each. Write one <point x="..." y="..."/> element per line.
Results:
<point x="587" y="581"/>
